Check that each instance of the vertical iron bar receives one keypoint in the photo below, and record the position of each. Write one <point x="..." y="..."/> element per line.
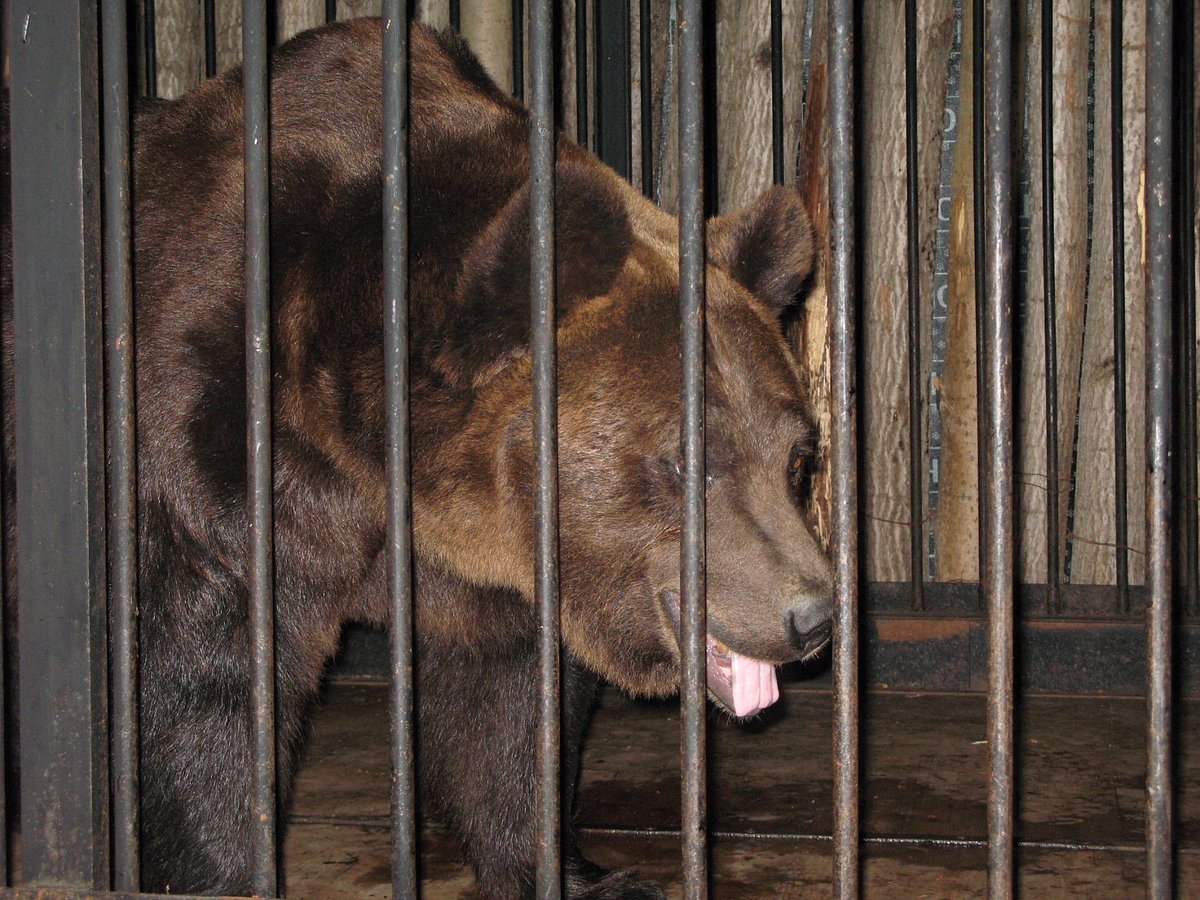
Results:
<point x="330" y="11"/>
<point x="121" y="421"/>
<point x="395" y="286"/>
<point x="456" y="15"/>
<point x="692" y="580"/>
<point x="844" y="450"/>
<point x="978" y="230"/>
<point x="150" y="38"/>
<point x="581" y="73"/>
<point x="60" y="484"/>
<point x="518" y="49"/>
<point x="777" y="91"/>
<point x="1050" y="324"/>
<point x="210" y="38"/>
<point x="258" y="438"/>
<point x="998" y="482"/>
<point x="545" y="439"/>
<point x="1185" y="29"/>
<point x="1120" y="436"/>
<point x="1159" y="162"/>
<point x="613" y="119"/>
<point x="916" y="530"/>
<point x="647" y="98"/>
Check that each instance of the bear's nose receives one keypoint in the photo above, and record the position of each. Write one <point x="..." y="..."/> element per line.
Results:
<point x="809" y="630"/>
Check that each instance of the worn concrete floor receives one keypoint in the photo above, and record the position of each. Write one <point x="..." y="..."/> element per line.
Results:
<point x="1081" y="774"/>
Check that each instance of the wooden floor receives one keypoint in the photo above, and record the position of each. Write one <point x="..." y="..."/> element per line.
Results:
<point x="924" y="799"/>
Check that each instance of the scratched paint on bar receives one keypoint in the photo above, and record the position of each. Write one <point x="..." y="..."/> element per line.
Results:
<point x="259" y="444"/>
<point x="545" y="439"/>
<point x="122" y="483"/>
<point x="996" y="373"/>
<point x="692" y="600"/>
<point x="399" y="543"/>
<point x="844" y="450"/>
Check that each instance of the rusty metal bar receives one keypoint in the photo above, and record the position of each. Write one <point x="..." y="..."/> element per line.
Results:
<point x="995" y="129"/>
<point x="210" y="38"/>
<point x="150" y="47"/>
<point x="396" y="389"/>
<point x="844" y="451"/>
<point x="1049" y="322"/>
<point x="646" y="79"/>
<point x="1120" y="432"/>
<point x="258" y="443"/>
<point x="692" y="584"/>
<point x="122" y="462"/>
<point x="916" y="531"/>
<point x="518" y="49"/>
<point x="777" y="91"/>
<point x="581" y="73"/>
<point x="1158" y="255"/>
<point x="545" y="439"/>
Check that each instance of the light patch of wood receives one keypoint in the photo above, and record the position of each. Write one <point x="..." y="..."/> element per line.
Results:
<point x="957" y="521"/>
<point x="1093" y="535"/>
<point x="180" y="55"/>
<point x="487" y="26"/>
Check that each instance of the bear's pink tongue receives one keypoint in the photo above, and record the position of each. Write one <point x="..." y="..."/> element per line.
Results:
<point x="744" y="685"/>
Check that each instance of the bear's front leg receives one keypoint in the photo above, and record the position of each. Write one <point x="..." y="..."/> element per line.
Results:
<point x="478" y="730"/>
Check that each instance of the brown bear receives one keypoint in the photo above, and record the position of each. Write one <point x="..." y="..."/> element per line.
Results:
<point x="769" y="581"/>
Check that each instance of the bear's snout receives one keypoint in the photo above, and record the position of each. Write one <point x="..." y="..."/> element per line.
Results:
<point x="809" y="626"/>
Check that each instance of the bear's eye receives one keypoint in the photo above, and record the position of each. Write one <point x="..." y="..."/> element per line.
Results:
<point x="796" y="464"/>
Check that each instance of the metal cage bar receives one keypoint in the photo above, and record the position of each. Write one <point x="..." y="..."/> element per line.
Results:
<point x="646" y="80"/>
<point x="1159" y="296"/>
<point x="844" y="450"/>
<point x="150" y="47"/>
<point x="331" y="11"/>
<point x="995" y="130"/>
<point x="456" y="15"/>
<point x="210" y="38"/>
<point x="60" y="484"/>
<point x="1049" y="307"/>
<point x="518" y="49"/>
<point x="122" y="471"/>
<point x="777" y="91"/>
<point x="581" y="73"/>
<point x="396" y="387"/>
<point x="258" y="443"/>
<point x="545" y="440"/>
<point x="692" y="583"/>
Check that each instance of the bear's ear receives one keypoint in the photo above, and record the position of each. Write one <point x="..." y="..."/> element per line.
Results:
<point x="593" y="238"/>
<point x="767" y="247"/>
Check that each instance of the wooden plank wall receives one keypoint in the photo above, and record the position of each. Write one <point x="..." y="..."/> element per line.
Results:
<point x="1082" y="251"/>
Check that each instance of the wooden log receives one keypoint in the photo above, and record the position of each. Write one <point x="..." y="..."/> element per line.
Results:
<point x="294" y="16"/>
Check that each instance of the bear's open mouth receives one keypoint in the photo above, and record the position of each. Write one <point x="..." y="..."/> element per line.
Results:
<point x="742" y="685"/>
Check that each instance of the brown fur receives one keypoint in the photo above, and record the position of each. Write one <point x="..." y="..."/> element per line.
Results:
<point x="618" y="342"/>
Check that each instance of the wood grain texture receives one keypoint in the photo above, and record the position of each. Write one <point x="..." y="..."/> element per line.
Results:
<point x="884" y="308"/>
<point x="935" y="36"/>
<point x="487" y="26"/>
<point x="179" y="45"/>
<point x="743" y="114"/>
<point x="809" y="331"/>
<point x="1093" y="533"/>
<point x="956" y="524"/>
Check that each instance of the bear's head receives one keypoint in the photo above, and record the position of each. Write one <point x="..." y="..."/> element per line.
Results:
<point x="769" y="581"/>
